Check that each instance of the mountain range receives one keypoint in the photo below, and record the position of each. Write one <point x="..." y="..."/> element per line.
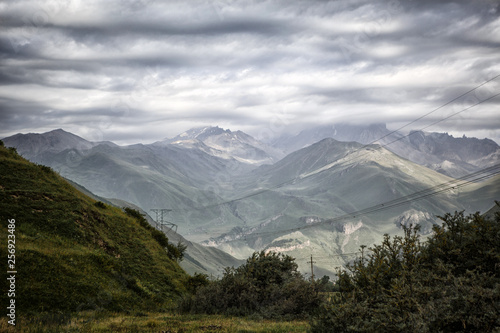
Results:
<point x="230" y="191"/>
<point x="441" y="152"/>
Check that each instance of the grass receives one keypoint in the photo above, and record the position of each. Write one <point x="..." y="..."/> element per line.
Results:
<point x="148" y="322"/>
<point x="74" y="253"/>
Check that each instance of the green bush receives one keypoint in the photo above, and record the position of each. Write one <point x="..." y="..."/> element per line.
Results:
<point x="160" y="237"/>
<point x="136" y="214"/>
<point x="13" y="151"/>
<point x="267" y="285"/>
<point x="45" y="168"/>
<point x="174" y="252"/>
<point x="450" y="283"/>
<point x="197" y="281"/>
<point x="100" y="204"/>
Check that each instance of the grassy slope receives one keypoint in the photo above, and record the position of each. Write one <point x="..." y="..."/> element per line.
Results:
<point x="151" y="322"/>
<point x="72" y="255"/>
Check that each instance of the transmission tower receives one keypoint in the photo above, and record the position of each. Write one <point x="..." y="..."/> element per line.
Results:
<point x="161" y="220"/>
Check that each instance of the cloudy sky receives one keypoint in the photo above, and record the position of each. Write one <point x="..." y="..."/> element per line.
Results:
<point x="142" y="70"/>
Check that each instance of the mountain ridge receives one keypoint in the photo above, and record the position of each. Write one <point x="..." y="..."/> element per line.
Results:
<point x="442" y="152"/>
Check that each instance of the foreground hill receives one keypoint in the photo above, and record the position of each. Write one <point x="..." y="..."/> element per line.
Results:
<point x="74" y="253"/>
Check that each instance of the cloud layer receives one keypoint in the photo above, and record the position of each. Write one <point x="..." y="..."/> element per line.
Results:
<point x="142" y="70"/>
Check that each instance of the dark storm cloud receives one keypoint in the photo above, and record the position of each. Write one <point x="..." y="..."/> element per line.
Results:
<point x="131" y="29"/>
<point x="112" y="66"/>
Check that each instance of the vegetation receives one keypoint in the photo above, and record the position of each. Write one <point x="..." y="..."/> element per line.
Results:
<point x="450" y="283"/>
<point x="268" y="285"/>
<point x="175" y="252"/>
<point x="111" y="322"/>
<point x="74" y="253"/>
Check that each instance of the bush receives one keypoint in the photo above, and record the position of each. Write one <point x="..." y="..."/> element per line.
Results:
<point x="13" y="151"/>
<point x="448" y="284"/>
<point x="174" y="252"/>
<point x="160" y="237"/>
<point x="100" y="204"/>
<point x="135" y="214"/>
<point x="197" y="281"/>
<point x="45" y="168"/>
<point x="267" y="285"/>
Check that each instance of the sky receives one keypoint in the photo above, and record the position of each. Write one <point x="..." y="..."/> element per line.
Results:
<point x="134" y="71"/>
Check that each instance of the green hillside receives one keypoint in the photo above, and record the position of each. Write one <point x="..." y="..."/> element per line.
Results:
<point x="74" y="253"/>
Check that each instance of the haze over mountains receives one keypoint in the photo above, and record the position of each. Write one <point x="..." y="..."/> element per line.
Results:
<point x="228" y="190"/>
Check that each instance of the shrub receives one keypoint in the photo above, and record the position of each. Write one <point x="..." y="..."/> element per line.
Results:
<point x="448" y="284"/>
<point x="100" y="204"/>
<point x="13" y="151"/>
<point x="160" y="237"/>
<point x="45" y="168"/>
<point x="174" y="252"/>
<point x="135" y="214"/>
<point x="268" y="285"/>
<point x="197" y="281"/>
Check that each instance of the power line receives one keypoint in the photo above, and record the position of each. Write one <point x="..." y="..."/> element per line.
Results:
<point x="436" y="109"/>
<point x="378" y="147"/>
<point x="453" y="184"/>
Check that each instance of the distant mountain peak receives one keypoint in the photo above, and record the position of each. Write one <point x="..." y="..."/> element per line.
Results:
<point x="32" y="144"/>
<point x="200" y="133"/>
<point x="226" y="144"/>
<point x="58" y="130"/>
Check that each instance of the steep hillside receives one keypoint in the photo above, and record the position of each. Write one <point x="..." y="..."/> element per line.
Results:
<point x="197" y="258"/>
<point x="74" y="253"/>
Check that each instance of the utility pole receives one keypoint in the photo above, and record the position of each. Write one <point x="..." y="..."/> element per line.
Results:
<point x="312" y="269"/>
